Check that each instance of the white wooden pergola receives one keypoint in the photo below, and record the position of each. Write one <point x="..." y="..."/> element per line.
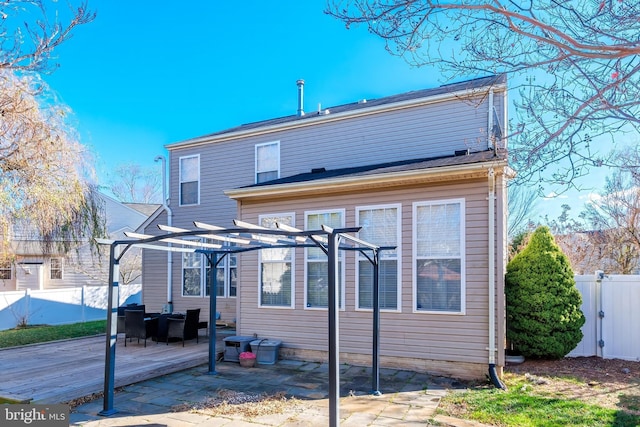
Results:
<point x="248" y="237"/>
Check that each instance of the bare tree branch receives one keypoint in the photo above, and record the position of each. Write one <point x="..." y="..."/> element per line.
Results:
<point x="29" y="45"/>
<point x="575" y="66"/>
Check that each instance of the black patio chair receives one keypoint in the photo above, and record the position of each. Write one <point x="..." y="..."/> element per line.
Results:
<point x="136" y="327"/>
<point x="186" y="328"/>
<point x="121" y="309"/>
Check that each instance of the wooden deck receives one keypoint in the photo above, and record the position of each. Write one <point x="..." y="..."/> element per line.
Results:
<point x="61" y="371"/>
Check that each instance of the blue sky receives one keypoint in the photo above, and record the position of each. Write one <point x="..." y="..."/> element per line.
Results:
<point x="145" y="74"/>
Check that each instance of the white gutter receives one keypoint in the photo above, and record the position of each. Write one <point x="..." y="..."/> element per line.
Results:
<point x="165" y="206"/>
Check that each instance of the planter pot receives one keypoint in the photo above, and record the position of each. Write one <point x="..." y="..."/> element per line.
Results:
<point x="248" y="363"/>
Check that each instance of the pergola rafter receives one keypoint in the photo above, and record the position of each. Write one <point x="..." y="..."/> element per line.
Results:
<point x="248" y="237"/>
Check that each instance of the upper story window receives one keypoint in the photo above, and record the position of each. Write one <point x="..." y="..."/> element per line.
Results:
<point x="438" y="250"/>
<point x="276" y="268"/>
<point x="317" y="263"/>
<point x="56" y="268"/>
<point x="267" y="161"/>
<point x="190" y="180"/>
<point x="380" y="226"/>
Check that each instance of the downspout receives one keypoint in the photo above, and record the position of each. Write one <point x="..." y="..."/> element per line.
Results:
<point x="492" y="283"/>
<point x="165" y="205"/>
<point x="490" y="138"/>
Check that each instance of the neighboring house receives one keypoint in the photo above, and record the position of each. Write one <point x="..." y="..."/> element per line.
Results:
<point x="36" y="270"/>
<point x="424" y="171"/>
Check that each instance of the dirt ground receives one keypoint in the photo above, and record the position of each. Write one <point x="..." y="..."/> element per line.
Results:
<point x="610" y="383"/>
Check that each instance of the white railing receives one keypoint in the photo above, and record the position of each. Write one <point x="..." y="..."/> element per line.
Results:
<point x="610" y="305"/>
<point x="60" y="306"/>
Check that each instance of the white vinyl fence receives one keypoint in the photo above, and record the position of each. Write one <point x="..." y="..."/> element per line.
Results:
<point x="60" y="306"/>
<point x="611" y="305"/>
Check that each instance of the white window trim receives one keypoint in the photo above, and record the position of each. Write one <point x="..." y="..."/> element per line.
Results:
<point x="227" y="284"/>
<point x="203" y="276"/>
<point x="180" y="180"/>
<point x="255" y="156"/>
<point x="341" y="255"/>
<point x="463" y="254"/>
<point x="293" y="267"/>
<point x="202" y="272"/>
<point x="398" y="206"/>
<point x="61" y="268"/>
<point x="8" y="268"/>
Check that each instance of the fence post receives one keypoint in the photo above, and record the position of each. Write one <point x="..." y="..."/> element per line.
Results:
<point x="27" y="306"/>
<point x="82" y="303"/>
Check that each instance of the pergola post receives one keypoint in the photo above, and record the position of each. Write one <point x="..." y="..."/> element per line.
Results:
<point x="112" y="332"/>
<point x="334" y="329"/>
<point x="375" y="388"/>
<point x="213" y="277"/>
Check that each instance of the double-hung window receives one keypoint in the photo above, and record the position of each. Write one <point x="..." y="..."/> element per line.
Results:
<point x="380" y="225"/>
<point x="196" y="275"/>
<point x="5" y="271"/>
<point x="316" y="261"/>
<point x="189" y="180"/>
<point x="439" y="264"/>
<point x="276" y="267"/>
<point x="55" y="268"/>
<point x="267" y="161"/>
<point x="192" y="274"/>
<point x="226" y="277"/>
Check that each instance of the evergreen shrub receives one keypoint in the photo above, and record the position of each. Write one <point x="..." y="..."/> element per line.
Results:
<point x="542" y="302"/>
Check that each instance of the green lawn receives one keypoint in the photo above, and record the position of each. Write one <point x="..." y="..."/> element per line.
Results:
<point x="522" y="405"/>
<point x="44" y="333"/>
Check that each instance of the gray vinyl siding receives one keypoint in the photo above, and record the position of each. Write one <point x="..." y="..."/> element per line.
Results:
<point x="154" y="290"/>
<point x="425" y="131"/>
<point x="154" y="271"/>
<point x="446" y="337"/>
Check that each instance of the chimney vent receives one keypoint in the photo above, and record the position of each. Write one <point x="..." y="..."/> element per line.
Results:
<point x="300" y="84"/>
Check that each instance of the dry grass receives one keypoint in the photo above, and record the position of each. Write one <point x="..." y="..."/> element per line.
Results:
<point x="229" y="402"/>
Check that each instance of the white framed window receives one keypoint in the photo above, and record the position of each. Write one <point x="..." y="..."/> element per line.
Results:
<point x="277" y="268"/>
<point x="438" y="253"/>
<point x="267" y="161"/>
<point x="317" y="263"/>
<point x="5" y="271"/>
<point x="189" y="180"/>
<point x="226" y="279"/>
<point x="192" y="272"/>
<point x="196" y="277"/>
<point x="55" y="268"/>
<point x="381" y="225"/>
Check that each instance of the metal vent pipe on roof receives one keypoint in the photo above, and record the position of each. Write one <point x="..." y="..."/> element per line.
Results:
<point x="300" y="84"/>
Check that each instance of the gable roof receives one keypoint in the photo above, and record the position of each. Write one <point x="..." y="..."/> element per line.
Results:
<point x="146" y="209"/>
<point x="359" y="107"/>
